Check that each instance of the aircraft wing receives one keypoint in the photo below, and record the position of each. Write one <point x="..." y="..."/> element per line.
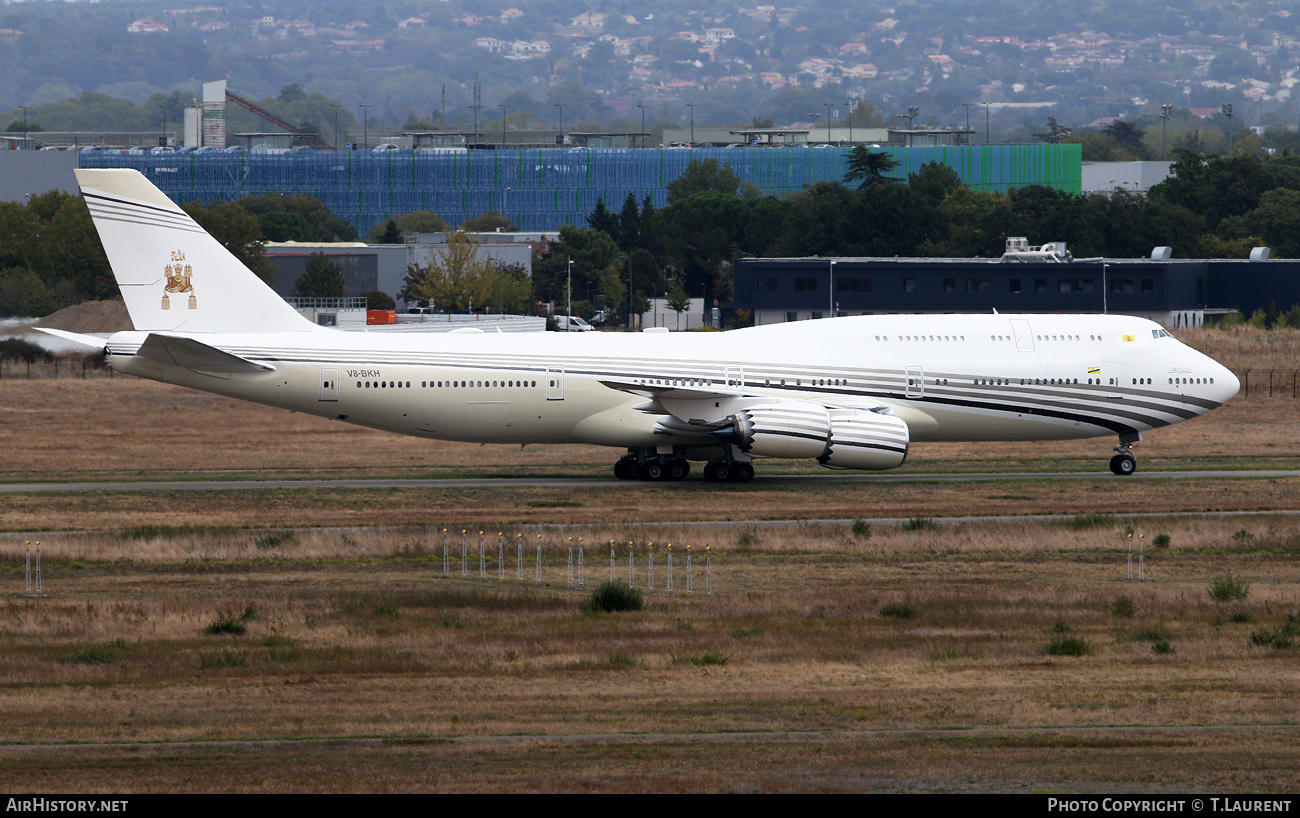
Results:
<point x="197" y="356"/>
<point x="656" y="391"/>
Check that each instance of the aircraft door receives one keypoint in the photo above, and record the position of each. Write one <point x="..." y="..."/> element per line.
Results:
<point x="555" y="384"/>
<point x="1113" y="379"/>
<point x="1024" y="335"/>
<point x="915" y="382"/>
<point x="329" y="384"/>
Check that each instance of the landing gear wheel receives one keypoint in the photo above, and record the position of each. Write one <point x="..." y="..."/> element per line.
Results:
<point x="620" y="468"/>
<point x="654" y="470"/>
<point x="722" y="471"/>
<point x="678" y="468"/>
<point x="1123" y="464"/>
<point x="742" y="473"/>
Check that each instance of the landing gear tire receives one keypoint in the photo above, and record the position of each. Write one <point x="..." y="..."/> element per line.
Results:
<point x="717" y="471"/>
<point x="1123" y="464"/>
<point x="625" y="468"/>
<point x="654" y="470"/>
<point x="678" y="468"/>
<point x="742" y="473"/>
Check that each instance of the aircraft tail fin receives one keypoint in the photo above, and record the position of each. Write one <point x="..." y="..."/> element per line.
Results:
<point x="173" y="275"/>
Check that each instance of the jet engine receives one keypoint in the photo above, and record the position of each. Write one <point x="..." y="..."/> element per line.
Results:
<point x="836" y="438"/>
<point x="866" y="440"/>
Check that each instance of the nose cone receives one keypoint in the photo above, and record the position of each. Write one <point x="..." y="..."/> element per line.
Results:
<point x="1225" y="383"/>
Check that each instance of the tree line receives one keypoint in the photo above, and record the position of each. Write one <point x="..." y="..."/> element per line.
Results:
<point x="1211" y="207"/>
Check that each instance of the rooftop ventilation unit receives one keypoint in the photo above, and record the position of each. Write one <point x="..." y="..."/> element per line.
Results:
<point x="1019" y="249"/>
<point x="1259" y="254"/>
<point x="1161" y="253"/>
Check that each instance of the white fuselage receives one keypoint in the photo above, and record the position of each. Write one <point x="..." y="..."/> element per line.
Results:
<point x="949" y="377"/>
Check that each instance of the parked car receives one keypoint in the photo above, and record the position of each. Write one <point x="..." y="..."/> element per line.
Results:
<point x="384" y="147"/>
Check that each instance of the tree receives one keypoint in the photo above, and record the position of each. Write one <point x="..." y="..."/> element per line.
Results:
<point x="679" y="302"/>
<point x="390" y="234"/>
<point x="488" y="223"/>
<point x="1128" y="136"/>
<point x="1056" y="133"/>
<point x="458" y="278"/>
<point x="408" y="224"/>
<point x="703" y="176"/>
<point x="236" y="230"/>
<point x="603" y="219"/>
<point x="868" y="167"/>
<point x="323" y="279"/>
<point x="324" y="225"/>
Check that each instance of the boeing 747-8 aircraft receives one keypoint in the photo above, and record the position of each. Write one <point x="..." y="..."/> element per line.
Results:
<point x="850" y="393"/>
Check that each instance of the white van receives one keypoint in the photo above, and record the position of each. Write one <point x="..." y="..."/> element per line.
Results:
<point x="573" y="324"/>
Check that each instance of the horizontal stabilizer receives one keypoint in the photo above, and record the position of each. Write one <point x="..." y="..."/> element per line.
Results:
<point x="197" y="356"/>
<point x="92" y="341"/>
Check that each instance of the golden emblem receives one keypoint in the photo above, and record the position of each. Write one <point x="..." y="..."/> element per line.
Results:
<point x="178" y="280"/>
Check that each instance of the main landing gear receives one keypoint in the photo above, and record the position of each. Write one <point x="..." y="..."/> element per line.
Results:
<point x="1124" y="463"/>
<point x="632" y="466"/>
<point x="650" y="465"/>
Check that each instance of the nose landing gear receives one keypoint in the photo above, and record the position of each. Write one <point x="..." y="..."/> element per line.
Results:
<point x="1124" y="463"/>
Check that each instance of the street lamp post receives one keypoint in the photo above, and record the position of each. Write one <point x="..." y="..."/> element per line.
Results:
<point x="164" y="124"/>
<point x="24" y="107"/>
<point x="986" y="122"/>
<point x="691" y="105"/>
<point x="815" y="117"/>
<point x="336" y="124"/>
<point x="1104" y="269"/>
<point x="1166" y="111"/>
<point x="568" y="327"/>
<point x="503" y="108"/>
<point x="967" y="106"/>
<point x="1226" y="108"/>
<point x="828" y="122"/>
<point x="365" y="132"/>
<point x="848" y="106"/>
<point x="561" y="105"/>
<point x="475" y="108"/>
<point x="642" y="106"/>
<point x="831" y="291"/>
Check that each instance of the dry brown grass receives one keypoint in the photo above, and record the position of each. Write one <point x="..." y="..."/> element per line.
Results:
<point x="357" y="635"/>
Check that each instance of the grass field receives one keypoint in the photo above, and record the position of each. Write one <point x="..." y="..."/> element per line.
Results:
<point x="307" y="640"/>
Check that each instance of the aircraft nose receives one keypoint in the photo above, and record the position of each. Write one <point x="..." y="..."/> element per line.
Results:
<point x="1226" y="384"/>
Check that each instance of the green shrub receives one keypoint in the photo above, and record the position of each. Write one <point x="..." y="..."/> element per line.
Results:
<point x="1162" y="646"/>
<point x="615" y="596"/>
<point x="225" y="658"/>
<point x="1065" y="645"/>
<point x="1241" y="618"/>
<point x="1161" y="541"/>
<point x="1080" y="522"/>
<point x="96" y="655"/>
<point x="227" y="622"/>
<point x="898" y="610"/>
<point x="268" y="542"/>
<point x="862" y="529"/>
<point x="709" y="657"/>
<point x="920" y="524"/>
<point x="1229" y="587"/>
<point x="1123" y="606"/>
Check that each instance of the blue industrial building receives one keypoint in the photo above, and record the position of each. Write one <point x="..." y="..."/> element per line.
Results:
<point x="541" y="189"/>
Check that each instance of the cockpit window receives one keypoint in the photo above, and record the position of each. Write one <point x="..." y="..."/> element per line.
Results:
<point x="1160" y="333"/>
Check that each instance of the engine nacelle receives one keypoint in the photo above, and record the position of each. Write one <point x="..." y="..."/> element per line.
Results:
<point x="862" y="439"/>
<point x="790" y="429"/>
